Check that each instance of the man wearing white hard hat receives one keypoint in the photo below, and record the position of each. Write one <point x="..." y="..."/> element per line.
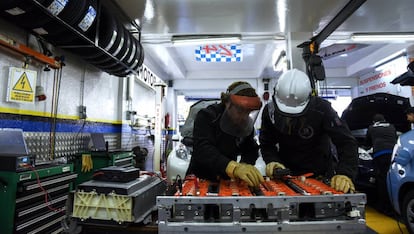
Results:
<point x="297" y="130"/>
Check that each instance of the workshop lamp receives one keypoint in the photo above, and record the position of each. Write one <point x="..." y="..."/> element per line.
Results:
<point x="382" y="37"/>
<point x="205" y="39"/>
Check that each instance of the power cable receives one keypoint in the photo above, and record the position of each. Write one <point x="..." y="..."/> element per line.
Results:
<point x="57" y="77"/>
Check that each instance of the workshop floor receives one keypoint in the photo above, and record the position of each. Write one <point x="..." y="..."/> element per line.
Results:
<point x="383" y="224"/>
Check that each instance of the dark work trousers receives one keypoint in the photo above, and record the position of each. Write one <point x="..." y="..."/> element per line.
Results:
<point x="381" y="165"/>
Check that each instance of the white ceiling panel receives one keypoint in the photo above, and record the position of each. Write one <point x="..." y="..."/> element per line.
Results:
<point x="258" y="22"/>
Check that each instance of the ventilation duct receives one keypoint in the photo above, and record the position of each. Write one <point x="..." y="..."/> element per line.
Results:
<point x="75" y="25"/>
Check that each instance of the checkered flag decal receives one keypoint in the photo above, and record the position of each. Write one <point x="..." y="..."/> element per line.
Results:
<point x="219" y="53"/>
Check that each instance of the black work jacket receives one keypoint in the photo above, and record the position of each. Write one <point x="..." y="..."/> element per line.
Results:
<point x="381" y="136"/>
<point x="213" y="149"/>
<point x="302" y="143"/>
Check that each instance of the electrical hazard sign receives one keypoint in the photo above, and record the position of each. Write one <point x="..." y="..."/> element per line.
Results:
<point x="21" y="83"/>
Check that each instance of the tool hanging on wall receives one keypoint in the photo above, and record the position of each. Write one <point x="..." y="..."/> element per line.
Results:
<point x="28" y="52"/>
<point x="57" y="78"/>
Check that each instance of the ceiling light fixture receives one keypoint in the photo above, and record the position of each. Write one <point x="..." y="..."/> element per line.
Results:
<point x="382" y="37"/>
<point x="205" y="39"/>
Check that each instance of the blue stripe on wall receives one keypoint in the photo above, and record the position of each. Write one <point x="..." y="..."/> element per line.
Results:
<point x="61" y="126"/>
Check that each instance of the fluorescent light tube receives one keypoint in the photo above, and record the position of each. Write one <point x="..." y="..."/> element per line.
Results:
<point x="383" y="37"/>
<point x="204" y="40"/>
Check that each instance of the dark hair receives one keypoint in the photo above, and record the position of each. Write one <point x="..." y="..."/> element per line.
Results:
<point x="248" y="92"/>
<point x="378" y="118"/>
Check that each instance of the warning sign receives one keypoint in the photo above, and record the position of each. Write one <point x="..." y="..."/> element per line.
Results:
<point x="21" y="83"/>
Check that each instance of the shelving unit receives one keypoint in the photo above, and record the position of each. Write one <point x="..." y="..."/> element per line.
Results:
<point x="86" y="28"/>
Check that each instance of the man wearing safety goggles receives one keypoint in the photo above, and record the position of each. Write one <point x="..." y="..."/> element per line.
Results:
<point x="224" y="131"/>
<point x="297" y="130"/>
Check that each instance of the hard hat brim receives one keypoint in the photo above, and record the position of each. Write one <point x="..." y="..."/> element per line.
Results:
<point x="294" y="110"/>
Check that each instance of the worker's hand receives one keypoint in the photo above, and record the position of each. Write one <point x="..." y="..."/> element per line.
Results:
<point x="270" y="167"/>
<point x="342" y="183"/>
<point x="245" y="172"/>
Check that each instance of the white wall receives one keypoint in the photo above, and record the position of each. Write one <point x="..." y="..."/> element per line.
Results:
<point x="81" y="84"/>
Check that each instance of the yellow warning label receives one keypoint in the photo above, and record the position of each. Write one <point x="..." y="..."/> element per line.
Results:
<point x="16" y="96"/>
<point x="23" y="84"/>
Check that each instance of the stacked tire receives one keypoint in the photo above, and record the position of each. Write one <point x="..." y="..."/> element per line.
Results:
<point x="119" y="52"/>
<point x="68" y="22"/>
<point x="78" y="14"/>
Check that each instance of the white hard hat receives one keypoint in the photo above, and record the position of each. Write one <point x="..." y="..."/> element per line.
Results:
<point x="292" y="92"/>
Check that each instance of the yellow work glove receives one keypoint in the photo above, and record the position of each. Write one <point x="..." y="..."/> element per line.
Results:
<point x="90" y="163"/>
<point x="245" y="172"/>
<point x="270" y="167"/>
<point x="83" y="163"/>
<point x="87" y="163"/>
<point x="342" y="183"/>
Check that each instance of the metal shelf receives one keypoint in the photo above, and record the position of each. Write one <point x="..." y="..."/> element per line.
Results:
<point x="82" y="41"/>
